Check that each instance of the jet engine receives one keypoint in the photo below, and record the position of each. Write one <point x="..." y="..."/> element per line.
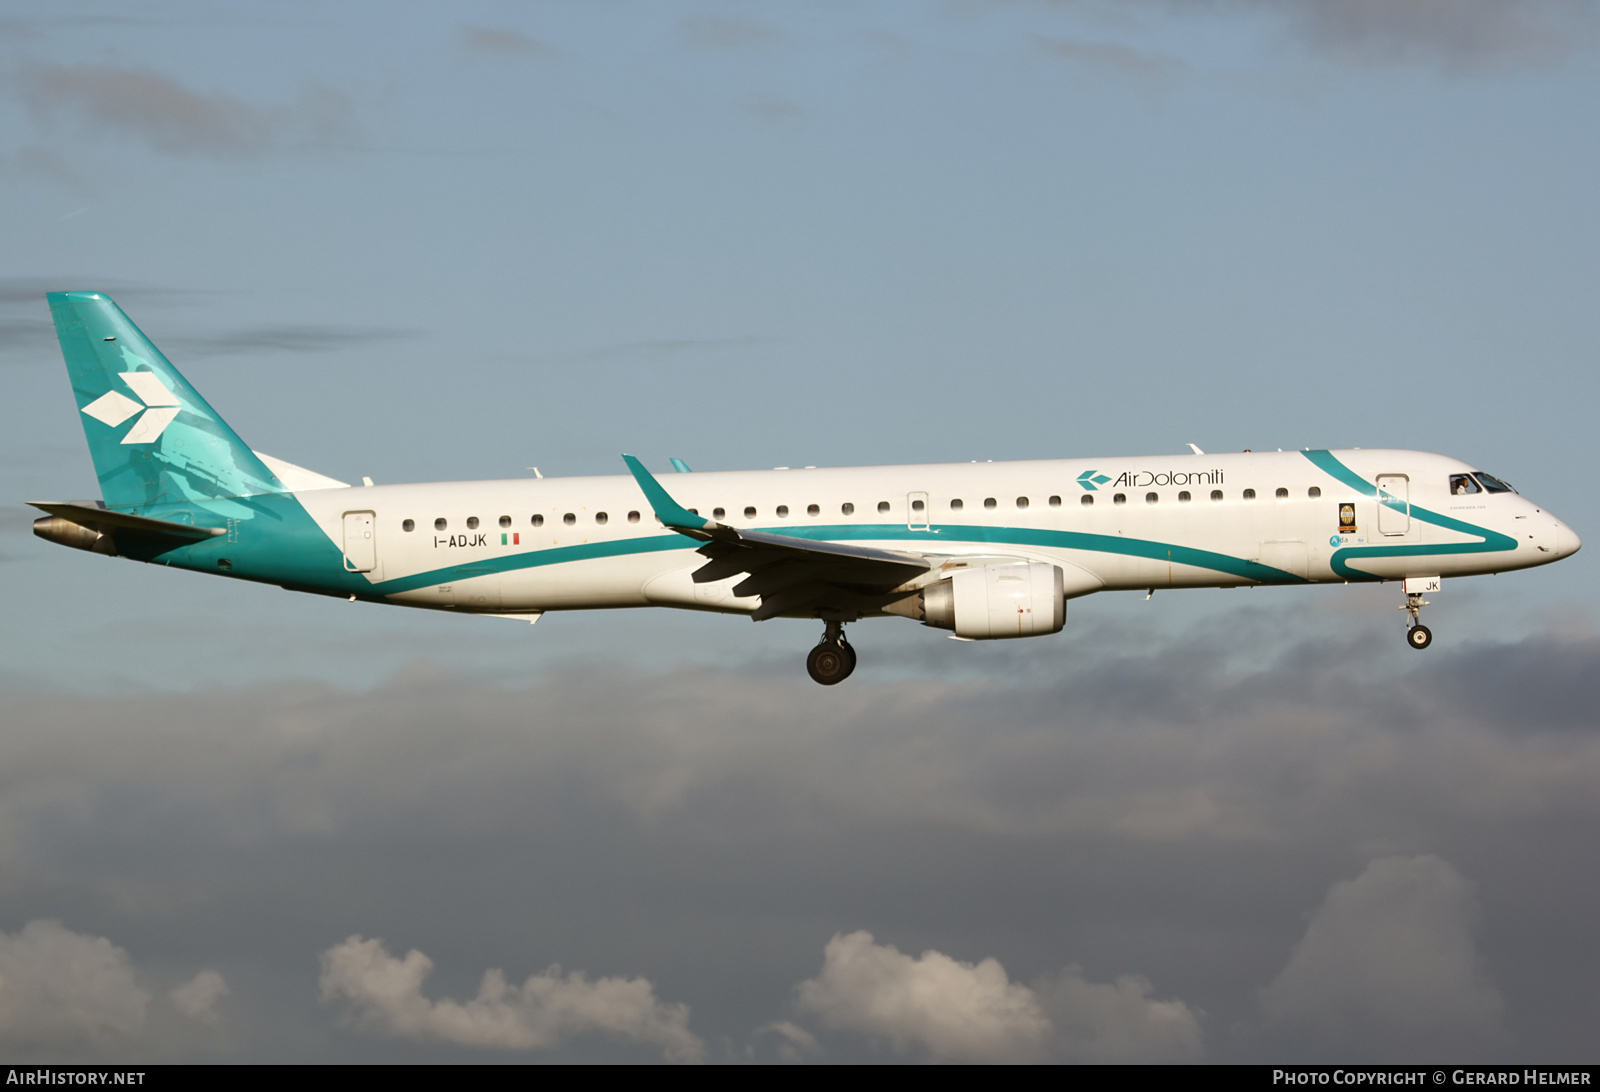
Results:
<point x="1026" y="599"/>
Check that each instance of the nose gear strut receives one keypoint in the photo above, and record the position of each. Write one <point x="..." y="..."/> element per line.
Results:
<point x="1417" y="635"/>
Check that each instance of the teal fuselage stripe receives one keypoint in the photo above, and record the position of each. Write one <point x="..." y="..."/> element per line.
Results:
<point x="1492" y="541"/>
<point x="999" y="536"/>
<point x="1328" y="464"/>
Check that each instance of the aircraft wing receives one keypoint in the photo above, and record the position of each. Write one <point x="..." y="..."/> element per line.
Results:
<point x="790" y="574"/>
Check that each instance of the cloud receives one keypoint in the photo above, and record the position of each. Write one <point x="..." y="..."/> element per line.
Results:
<point x="1135" y="795"/>
<point x="1389" y="954"/>
<point x="1463" y="35"/>
<point x="1458" y="36"/>
<point x="954" y="1011"/>
<point x="724" y="32"/>
<point x="61" y="990"/>
<point x="970" y="1012"/>
<point x="795" y="1043"/>
<point x="504" y="42"/>
<point x="198" y="998"/>
<point x="384" y="994"/>
<point x="36" y="162"/>
<point x="30" y="291"/>
<point x="282" y="338"/>
<point x="1117" y="1021"/>
<point x="173" y="119"/>
<point x="1111" y="55"/>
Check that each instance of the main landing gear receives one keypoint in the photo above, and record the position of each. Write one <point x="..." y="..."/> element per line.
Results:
<point x="833" y="659"/>
<point x="1417" y="635"/>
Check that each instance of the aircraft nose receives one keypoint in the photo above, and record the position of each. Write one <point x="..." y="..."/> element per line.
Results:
<point x="1567" y="540"/>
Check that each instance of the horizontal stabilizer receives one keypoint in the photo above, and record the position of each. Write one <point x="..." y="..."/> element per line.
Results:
<point x="108" y="522"/>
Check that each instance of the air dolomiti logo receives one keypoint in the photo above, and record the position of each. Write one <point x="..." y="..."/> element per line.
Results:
<point x="1091" y="480"/>
<point x="157" y="406"/>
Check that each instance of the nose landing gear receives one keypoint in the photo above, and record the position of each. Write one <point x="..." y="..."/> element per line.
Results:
<point x="1418" y="635"/>
<point x="833" y="659"/>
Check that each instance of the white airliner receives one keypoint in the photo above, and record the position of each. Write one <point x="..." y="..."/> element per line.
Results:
<point x="984" y="550"/>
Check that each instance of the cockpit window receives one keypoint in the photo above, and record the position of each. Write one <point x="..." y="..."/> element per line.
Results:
<point x="1494" y="485"/>
<point x="1462" y="484"/>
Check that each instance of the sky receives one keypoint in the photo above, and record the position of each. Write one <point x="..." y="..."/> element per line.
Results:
<point x="418" y="242"/>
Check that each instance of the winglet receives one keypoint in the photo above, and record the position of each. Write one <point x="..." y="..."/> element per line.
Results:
<point x="680" y="466"/>
<point x="668" y="511"/>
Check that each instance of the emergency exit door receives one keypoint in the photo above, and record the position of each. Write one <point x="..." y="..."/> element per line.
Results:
<point x="360" y="542"/>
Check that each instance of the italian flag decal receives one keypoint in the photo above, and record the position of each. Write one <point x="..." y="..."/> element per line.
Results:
<point x="513" y="539"/>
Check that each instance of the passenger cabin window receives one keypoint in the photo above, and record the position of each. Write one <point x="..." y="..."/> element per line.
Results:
<point x="1249" y="494"/>
<point x="1314" y="492"/>
<point x="505" y="521"/>
<point x="1088" y="500"/>
<point x="1216" y="494"/>
<point x="472" y="523"/>
<point x="1183" y="497"/>
<point x="1022" y="502"/>
<point x="569" y="519"/>
<point x="440" y="524"/>
<point x="813" y="510"/>
<point x="1119" y="498"/>
<point x="600" y="518"/>
<point x="1152" y="498"/>
<point x="847" y="509"/>
<point x="749" y="513"/>
<point x="633" y="517"/>
<point x="1462" y="485"/>
<point x="917" y="506"/>
<point x="1055" y="502"/>
<point x="1282" y="494"/>
<point x="409" y="525"/>
<point x="988" y="502"/>
<point x="956" y="505"/>
<point x="538" y="521"/>
<point x="718" y="513"/>
<point x="883" y="508"/>
<point x="783" y="511"/>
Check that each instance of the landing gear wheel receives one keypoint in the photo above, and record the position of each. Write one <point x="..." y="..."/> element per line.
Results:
<point x="831" y="663"/>
<point x="1419" y="636"/>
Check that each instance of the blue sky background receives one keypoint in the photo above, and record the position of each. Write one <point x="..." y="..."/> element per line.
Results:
<point x="422" y="244"/>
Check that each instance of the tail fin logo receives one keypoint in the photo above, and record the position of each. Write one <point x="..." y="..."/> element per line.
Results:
<point x="156" y="406"/>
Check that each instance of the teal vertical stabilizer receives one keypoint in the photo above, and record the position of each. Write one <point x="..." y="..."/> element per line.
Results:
<point x="154" y="440"/>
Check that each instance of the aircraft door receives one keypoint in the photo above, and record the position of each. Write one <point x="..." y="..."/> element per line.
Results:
<point x="1394" y="504"/>
<point x="917" y="511"/>
<point x="360" y="542"/>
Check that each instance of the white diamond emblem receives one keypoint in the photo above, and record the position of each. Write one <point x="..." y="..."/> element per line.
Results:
<point x="156" y="400"/>
<point x="112" y="408"/>
<point x="148" y="428"/>
<point x="149" y="388"/>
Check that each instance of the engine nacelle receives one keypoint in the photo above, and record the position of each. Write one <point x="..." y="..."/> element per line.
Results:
<point x="66" y="533"/>
<point x="1026" y="599"/>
